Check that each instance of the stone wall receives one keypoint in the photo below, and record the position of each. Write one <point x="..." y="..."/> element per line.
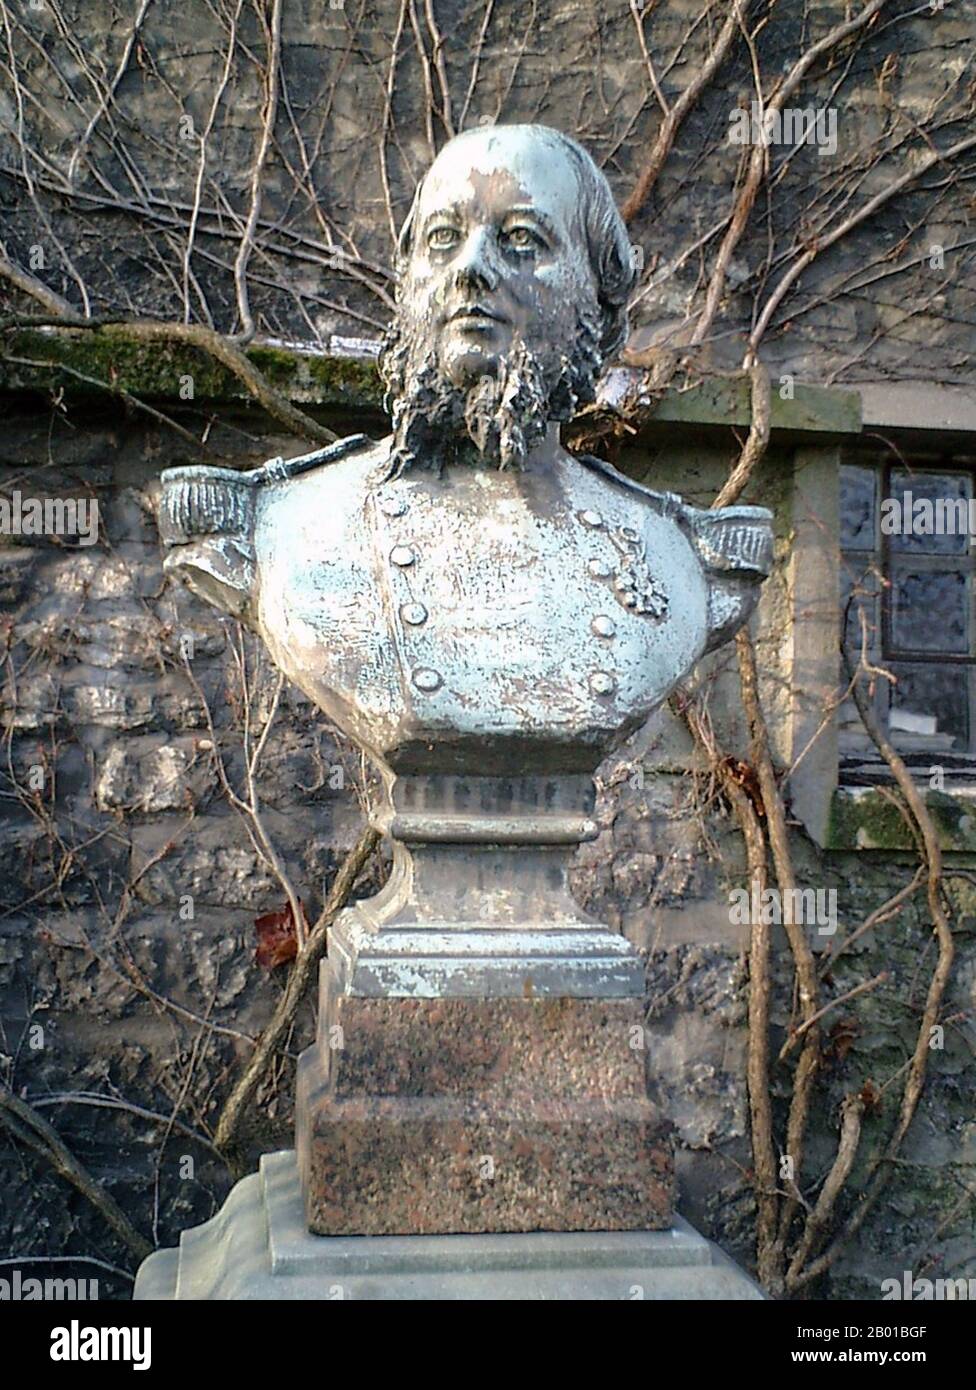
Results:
<point x="125" y="874"/>
<point x="110" y="205"/>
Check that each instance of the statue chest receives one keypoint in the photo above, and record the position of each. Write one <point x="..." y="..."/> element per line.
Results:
<point x="481" y="606"/>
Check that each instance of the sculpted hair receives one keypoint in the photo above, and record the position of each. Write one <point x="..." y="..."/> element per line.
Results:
<point x="607" y="242"/>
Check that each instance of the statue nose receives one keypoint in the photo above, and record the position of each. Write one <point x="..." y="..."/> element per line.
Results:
<point x="473" y="267"/>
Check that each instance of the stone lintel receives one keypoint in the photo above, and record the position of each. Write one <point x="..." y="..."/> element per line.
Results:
<point x="152" y="370"/>
<point x="723" y="401"/>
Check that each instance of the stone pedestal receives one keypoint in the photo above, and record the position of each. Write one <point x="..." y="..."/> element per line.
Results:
<point x="257" y="1247"/>
<point x="473" y="1120"/>
<point x="480" y="1063"/>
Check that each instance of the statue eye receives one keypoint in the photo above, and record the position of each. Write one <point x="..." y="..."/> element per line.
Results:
<point x="521" y="239"/>
<point x="442" y="238"/>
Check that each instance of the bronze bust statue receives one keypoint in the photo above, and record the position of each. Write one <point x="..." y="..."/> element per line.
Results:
<point x="488" y="616"/>
<point x="465" y="595"/>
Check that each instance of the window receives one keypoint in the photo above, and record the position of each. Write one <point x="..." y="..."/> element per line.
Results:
<point x="908" y="529"/>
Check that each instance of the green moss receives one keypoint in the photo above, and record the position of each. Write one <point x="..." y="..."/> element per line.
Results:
<point x="869" y="820"/>
<point x="107" y="355"/>
<point x="159" y="370"/>
<point x="355" y="377"/>
<point x="320" y="380"/>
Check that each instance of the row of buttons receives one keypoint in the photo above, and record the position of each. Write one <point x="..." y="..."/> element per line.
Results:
<point x="601" y="682"/>
<point x="415" y="614"/>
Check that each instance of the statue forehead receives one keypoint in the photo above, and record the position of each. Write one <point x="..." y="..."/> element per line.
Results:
<point x="522" y="163"/>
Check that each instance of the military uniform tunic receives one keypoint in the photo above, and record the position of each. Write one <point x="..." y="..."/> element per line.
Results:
<point x="533" y="618"/>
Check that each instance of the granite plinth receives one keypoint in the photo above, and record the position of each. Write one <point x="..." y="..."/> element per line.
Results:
<point x="257" y="1247"/>
<point x="451" y="1116"/>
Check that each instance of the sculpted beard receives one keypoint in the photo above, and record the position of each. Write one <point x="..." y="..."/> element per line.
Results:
<point x="502" y="416"/>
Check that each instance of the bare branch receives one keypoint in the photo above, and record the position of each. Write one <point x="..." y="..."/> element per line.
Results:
<point x="23" y="1121"/>
<point x="246" y="332"/>
<point x="674" y="116"/>
<point x="300" y="978"/>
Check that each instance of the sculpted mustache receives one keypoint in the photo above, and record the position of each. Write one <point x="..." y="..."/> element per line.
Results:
<point x="476" y="311"/>
<point x="432" y="418"/>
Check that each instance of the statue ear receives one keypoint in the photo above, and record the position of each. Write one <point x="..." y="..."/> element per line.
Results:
<point x="405" y="239"/>
<point x="618" y="275"/>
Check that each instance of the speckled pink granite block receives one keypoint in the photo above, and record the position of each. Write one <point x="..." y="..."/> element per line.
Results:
<point x="472" y="1115"/>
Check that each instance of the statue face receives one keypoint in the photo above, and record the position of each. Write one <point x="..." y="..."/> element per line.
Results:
<point x="497" y="251"/>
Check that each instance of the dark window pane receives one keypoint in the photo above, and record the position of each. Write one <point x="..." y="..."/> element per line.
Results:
<point x="934" y="507"/>
<point x="860" y="588"/>
<point x="858" y="488"/>
<point x="930" y="610"/>
<point x="930" y="702"/>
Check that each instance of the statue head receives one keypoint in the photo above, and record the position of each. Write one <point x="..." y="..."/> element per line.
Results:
<point x="513" y="274"/>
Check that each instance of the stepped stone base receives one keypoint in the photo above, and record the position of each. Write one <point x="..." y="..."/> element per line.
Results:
<point x="257" y="1247"/>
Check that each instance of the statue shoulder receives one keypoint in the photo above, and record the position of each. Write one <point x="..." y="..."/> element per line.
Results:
<point x="206" y="522"/>
<point x="663" y="503"/>
<point x="734" y="546"/>
<point x="726" y="540"/>
<point x="197" y="500"/>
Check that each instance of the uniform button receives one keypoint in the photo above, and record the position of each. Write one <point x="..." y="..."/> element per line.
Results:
<point x="402" y="555"/>
<point x="393" y="506"/>
<point x="590" y="518"/>
<point x="414" y="614"/>
<point x="603" y="626"/>
<point x="425" y="679"/>
<point x="602" y="683"/>
<point x="599" y="569"/>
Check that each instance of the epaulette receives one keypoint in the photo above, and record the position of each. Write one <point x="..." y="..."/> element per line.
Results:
<point x="729" y="539"/>
<point x="276" y="470"/>
<point x="735" y="539"/>
<point x="666" y="503"/>
<point x="198" y="500"/>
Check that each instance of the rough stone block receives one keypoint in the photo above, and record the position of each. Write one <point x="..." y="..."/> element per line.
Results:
<point x="153" y="775"/>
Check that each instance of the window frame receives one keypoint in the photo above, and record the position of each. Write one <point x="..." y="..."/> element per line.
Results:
<point x="886" y="460"/>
